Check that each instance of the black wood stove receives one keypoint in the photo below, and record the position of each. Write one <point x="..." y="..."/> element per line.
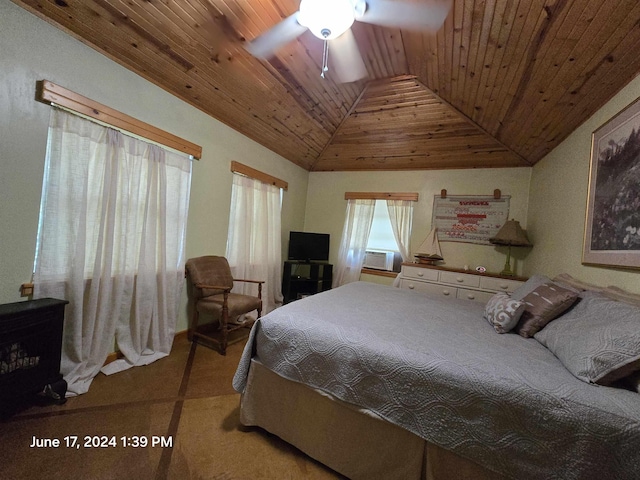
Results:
<point x="30" y="351"/>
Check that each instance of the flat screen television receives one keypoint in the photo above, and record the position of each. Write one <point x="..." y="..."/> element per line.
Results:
<point x="308" y="247"/>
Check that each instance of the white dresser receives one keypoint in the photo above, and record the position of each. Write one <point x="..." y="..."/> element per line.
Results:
<point x="455" y="283"/>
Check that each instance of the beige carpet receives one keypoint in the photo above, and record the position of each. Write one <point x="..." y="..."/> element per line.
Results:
<point x="185" y="400"/>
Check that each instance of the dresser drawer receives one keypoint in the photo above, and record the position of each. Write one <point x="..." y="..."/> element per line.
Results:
<point x="419" y="273"/>
<point x="499" y="284"/>
<point x="475" y="295"/>
<point x="461" y="279"/>
<point x="425" y="287"/>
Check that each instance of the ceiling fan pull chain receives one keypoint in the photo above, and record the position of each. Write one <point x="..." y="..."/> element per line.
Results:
<point x="325" y="54"/>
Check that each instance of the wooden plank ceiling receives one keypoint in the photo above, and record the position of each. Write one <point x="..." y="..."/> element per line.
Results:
<point x="500" y="84"/>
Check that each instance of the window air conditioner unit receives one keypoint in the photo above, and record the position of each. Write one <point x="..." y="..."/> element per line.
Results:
<point x="379" y="260"/>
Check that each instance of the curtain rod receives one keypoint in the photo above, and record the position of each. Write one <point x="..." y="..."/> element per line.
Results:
<point x="50" y="93"/>
<point x="413" y="197"/>
<point x="237" y="167"/>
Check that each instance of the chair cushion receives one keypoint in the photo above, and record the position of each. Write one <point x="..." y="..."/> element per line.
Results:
<point x="237" y="304"/>
<point x="210" y="270"/>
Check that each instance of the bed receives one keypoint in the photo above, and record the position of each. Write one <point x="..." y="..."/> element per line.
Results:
<point x="379" y="382"/>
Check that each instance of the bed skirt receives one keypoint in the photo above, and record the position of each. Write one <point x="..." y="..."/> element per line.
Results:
<point x="351" y="441"/>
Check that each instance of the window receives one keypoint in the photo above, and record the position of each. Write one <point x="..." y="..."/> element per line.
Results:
<point x="357" y="228"/>
<point x="254" y="238"/>
<point x="111" y="241"/>
<point x="381" y="236"/>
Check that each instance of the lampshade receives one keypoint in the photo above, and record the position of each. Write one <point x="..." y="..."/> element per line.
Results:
<point x="511" y="233"/>
<point x="327" y="19"/>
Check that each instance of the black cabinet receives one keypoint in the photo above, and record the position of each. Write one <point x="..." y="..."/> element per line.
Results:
<point x="301" y="279"/>
<point x="30" y="350"/>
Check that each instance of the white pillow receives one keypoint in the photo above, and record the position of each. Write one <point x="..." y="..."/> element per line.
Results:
<point x="502" y="312"/>
<point x="598" y="340"/>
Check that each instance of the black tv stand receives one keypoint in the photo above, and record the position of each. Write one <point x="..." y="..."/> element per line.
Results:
<point x="301" y="278"/>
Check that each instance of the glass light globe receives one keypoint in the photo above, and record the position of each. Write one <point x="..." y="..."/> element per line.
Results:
<point x="327" y="19"/>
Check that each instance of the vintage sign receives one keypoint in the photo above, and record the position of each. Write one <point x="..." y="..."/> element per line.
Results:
<point x="469" y="218"/>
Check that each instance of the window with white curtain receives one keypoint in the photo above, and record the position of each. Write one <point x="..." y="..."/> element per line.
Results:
<point x="358" y="229"/>
<point x="111" y="240"/>
<point x="255" y="237"/>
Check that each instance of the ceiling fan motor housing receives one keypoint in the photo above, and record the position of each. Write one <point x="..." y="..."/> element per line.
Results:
<point x="328" y="19"/>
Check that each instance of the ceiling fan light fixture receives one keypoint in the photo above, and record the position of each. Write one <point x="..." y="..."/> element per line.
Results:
<point x="327" y="19"/>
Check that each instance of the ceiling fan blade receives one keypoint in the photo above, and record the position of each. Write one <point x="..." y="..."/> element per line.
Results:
<point x="345" y="58"/>
<point x="426" y="16"/>
<point x="265" y="45"/>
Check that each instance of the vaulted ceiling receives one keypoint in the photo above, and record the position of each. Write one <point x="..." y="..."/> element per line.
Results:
<point x="500" y="84"/>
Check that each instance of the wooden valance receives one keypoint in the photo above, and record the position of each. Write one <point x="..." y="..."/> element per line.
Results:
<point x="242" y="169"/>
<point x="50" y="93"/>
<point x="412" y="197"/>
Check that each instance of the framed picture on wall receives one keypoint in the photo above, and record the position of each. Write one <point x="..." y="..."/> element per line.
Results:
<point x="612" y="229"/>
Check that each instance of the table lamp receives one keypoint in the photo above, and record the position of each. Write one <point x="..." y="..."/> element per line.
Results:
<point x="511" y="234"/>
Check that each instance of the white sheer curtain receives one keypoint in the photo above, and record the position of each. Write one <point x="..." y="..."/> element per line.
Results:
<point x="401" y="216"/>
<point x="111" y="242"/>
<point x="355" y="234"/>
<point x="254" y="241"/>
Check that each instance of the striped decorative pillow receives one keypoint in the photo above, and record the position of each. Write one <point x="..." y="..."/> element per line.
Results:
<point x="546" y="302"/>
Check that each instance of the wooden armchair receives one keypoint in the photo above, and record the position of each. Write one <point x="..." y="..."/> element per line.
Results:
<point x="209" y="291"/>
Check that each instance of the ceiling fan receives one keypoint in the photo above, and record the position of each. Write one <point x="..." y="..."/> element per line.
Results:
<point x="331" y="20"/>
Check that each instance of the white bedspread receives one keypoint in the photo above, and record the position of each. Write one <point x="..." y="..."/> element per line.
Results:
<point x="435" y="367"/>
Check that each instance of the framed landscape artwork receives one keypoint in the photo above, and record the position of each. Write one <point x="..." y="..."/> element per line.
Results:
<point x="612" y="230"/>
